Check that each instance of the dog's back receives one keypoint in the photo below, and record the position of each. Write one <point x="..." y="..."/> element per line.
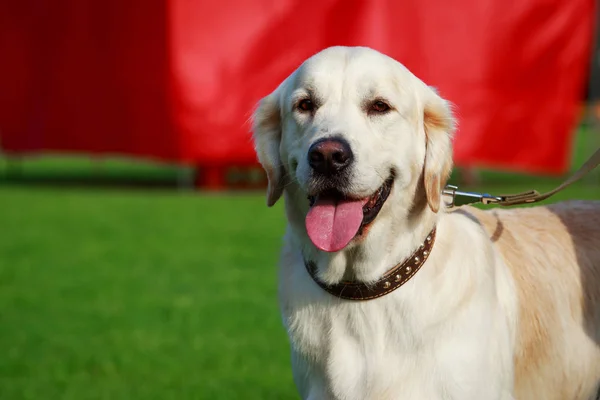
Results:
<point x="553" y="253"/>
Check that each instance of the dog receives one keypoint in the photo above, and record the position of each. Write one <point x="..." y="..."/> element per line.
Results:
<point x="499" y="304"/>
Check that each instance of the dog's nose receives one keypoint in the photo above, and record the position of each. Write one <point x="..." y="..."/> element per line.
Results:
<point x="329" y="156"/>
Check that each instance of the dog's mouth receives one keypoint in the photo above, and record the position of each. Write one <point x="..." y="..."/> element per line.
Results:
<point x="334" y="219"/>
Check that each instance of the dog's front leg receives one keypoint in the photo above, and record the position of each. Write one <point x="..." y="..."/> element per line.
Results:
<point x="310" y="385"/>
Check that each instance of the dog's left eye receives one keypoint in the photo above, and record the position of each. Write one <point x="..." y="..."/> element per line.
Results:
<point x="379" y="107"/>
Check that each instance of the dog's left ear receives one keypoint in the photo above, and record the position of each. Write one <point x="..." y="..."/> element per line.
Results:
<point x="266" y="129"/>
<point x="438" y="124"/>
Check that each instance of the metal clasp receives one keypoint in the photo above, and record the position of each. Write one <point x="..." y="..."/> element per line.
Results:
<point x="460" y="198"/>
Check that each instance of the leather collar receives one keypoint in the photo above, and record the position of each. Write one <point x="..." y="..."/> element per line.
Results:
<point x="391" y="281"/>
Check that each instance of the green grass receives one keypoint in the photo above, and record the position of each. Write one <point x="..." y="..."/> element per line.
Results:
<point x="146" y="294"/>
<point x="135" y="295"/>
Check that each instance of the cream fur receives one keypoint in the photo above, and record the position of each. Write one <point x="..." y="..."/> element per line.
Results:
<point x="506" y="306"/>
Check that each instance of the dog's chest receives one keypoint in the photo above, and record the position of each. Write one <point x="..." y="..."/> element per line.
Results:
<point x="361" y="351"/>
<point x="388" y="348"/>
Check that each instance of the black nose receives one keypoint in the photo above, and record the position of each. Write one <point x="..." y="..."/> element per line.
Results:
<point x="329" y="156"/>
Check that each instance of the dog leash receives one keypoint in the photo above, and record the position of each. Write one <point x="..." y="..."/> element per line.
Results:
<point x="460" y="198"/>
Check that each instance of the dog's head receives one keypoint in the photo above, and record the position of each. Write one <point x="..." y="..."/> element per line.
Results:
<point x="352" y="138"/>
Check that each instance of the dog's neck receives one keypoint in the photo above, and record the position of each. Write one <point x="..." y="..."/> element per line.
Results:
<point x="390" y="240"/>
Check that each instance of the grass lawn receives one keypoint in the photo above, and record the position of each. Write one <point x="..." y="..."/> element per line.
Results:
<point x="137" y="295"/>
<point x="148" y="294"/>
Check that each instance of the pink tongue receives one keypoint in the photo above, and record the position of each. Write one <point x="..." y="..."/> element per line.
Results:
<point x="332" y="224"/>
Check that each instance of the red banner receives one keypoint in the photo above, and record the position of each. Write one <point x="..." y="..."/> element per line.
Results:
<point x="177" y="80"/>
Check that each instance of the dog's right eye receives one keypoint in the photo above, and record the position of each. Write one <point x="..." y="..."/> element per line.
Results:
<point x="306" y="105"/>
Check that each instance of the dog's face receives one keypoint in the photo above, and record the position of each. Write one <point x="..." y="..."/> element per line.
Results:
<point x="348" y="133"/>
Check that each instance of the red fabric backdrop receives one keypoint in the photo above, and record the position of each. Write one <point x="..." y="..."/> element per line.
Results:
<point x="177" y="80"/>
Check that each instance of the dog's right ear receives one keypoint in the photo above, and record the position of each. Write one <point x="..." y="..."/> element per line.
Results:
<point x="266" y="129"/>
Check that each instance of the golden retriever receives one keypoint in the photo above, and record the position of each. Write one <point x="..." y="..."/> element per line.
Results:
<point x="507" y="304"/>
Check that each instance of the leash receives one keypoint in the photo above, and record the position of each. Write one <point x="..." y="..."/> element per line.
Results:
<point x="460" y="198"/>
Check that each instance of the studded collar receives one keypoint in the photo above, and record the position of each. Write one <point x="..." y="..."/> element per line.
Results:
<point x="389" y="282"/>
